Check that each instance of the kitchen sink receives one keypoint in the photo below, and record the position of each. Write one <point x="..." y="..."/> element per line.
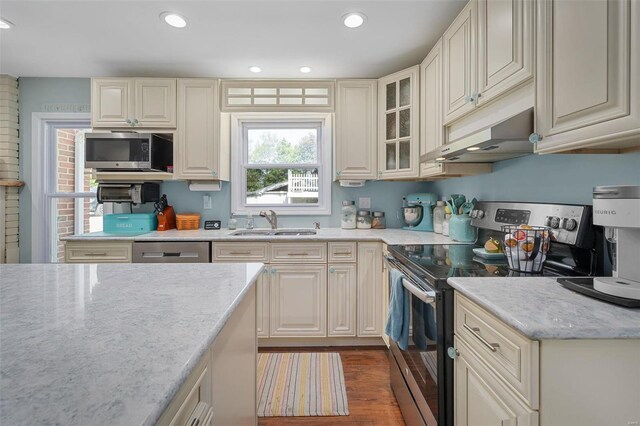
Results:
<point x="273" y="232"/>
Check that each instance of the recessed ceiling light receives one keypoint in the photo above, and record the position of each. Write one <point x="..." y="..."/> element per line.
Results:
<point x="255" y="69"/>
<point x="173" y="19"/>
<point x="473" y="148"/>
<point x="353" y="20"/>
<point x="305" y="70"/>
<point x="440" y="159"/>
<point x="4" y="24"/>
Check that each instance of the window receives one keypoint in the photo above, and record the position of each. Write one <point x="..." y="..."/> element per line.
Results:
<point x="281" y="162"/>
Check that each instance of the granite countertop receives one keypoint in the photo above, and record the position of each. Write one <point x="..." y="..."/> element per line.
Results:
<point x="388" y="236"/>
<point x="541" y="308"/>
<point x="107" y="344"/>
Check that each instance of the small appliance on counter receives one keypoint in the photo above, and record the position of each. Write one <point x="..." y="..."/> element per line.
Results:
<point x="129" y="223"/>
<point x="416" y="211"/>
<point x="617" y="209"/>
<point x="134" y="193"/>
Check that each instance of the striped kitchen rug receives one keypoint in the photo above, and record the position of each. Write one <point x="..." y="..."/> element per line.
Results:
<point x="301" y="384"/>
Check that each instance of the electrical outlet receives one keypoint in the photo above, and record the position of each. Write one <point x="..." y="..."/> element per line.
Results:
<point x="364" y="202"/>
<point x="206" y="202"/>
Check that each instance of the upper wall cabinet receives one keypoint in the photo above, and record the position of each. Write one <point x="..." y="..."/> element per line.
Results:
<point x="588" y="75"/>
<point x="505" y="46"/>
<point x="398" y="124"/>
<point x="198" y="153"/>
<point x="487" y="51"/>
<point x="459" y="64"/>
<point x="431" y="129"/>
<point x="355" y="148"/>
<point x="133" y="102"/>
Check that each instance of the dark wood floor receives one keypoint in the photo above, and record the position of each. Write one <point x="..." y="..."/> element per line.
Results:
<point x="371" y="400"/>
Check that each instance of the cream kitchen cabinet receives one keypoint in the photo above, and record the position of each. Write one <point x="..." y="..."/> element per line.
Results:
<point x="341" y="287"/>
<point x="355" y="147"/>
<point x="98" y="251"/>
<point x="133" y="102"/>
<point x="369" y="289"/>
<point x="298" y="297"/>
<point x="199" y="154"/>
<point x="399" y="124"/>
<point x="459" y="64"/>
<point x="588" y="75"/>
<point x="481" y="399"/>
<point x="488" y="51"/>
<point x="263" y="303"/>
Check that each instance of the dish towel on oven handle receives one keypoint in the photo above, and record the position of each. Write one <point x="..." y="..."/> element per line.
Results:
<point x="399" y="311"/>
<point x="424" y="324"/>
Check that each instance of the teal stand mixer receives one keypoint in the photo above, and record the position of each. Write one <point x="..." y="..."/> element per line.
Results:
<point x="417" y="213"/>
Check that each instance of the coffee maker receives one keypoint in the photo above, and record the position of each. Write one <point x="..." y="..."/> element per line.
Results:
<point x="417" y="213"/>
<point x="617" y="209"/>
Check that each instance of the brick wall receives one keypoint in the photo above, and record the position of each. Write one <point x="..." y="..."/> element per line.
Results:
<point x="66" y="162"/>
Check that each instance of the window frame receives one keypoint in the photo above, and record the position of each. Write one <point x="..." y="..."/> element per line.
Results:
<point x="241" y="122"/>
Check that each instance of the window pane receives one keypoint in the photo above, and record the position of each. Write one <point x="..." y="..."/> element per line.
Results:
<point x="391" y="156"/>
<point x="405" y="155"/>
<point x="391" y="96"/>
<point x="405" y="92"/>
<point x="391" y="126"/>
<point x="280" y="187"/>
<point x="405" y="123"/>
<point x="277" y="146"/>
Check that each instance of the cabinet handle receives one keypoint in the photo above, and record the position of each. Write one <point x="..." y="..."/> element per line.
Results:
<point x="95" y="254"/>
<point x="493" y="347"/>
<point x="342" y="253"/>
<point x="535" y="137"/>
<point x="241" y="253"/>
<point x="298" y="254"/>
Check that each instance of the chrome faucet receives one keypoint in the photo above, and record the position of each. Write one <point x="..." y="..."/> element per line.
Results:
<point x="271" y="217"/>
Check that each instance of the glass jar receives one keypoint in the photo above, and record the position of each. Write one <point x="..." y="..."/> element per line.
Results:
<point x="438" y="217"/>
<point x="378" y="221"/>
<point x="233" y="222"/>
<point x="364" y="219"/>
<point x="445" y="225"/>
<point x="250" y="222"/>
<point x="348" y="218"/>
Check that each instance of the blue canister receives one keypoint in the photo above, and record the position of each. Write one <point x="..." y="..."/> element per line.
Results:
<point x="460" y="228"/>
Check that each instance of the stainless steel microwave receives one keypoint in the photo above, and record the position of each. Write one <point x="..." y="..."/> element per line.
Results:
<point x="129" y="151"/>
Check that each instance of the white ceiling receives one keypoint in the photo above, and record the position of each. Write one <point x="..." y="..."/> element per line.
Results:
<point x="223" y="38"/>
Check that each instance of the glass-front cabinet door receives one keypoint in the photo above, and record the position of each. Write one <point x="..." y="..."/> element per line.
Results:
<point x="399" y="125"/>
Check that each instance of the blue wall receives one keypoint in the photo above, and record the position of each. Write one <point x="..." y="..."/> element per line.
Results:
<point x="560" y="178"/>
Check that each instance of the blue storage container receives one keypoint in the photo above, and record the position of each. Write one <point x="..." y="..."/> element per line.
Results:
<point x="131" y="223"/>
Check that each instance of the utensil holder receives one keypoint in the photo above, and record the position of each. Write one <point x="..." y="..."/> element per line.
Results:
<point x="526" y="247"/>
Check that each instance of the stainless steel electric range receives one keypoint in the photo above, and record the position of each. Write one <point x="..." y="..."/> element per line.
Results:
<point x="422" y="375"/>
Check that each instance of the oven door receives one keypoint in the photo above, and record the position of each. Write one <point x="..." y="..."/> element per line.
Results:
<point x="418" y="364"/>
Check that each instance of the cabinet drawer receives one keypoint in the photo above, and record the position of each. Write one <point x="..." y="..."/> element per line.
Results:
<point x="512" y="356"/>
<point x="298" y="253"/>
<point x="193" y="400"/>
<point x="97" y="252"/>
<point x="342" y="252"/>
<point x="240" y="252"/>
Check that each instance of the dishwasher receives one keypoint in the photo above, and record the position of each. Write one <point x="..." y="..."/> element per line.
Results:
<point x="171" y="252"/>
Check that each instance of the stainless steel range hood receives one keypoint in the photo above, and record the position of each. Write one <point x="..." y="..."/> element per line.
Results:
<point x="508" y="139"/>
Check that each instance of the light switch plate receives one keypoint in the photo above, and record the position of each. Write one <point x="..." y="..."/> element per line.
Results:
<point x="206" y="202"/>
<point x="364" y="202"/>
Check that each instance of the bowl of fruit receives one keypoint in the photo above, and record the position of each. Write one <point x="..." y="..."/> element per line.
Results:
<point x="526" y="247"/>
<point x="492" y="250"/>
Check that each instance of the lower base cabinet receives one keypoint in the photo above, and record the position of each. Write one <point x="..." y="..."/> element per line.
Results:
<point x="369" y="294"/>
<point x="481" y="399"/>
<point x="263" y="303"/>
<point x="298" y="296"/>
<point x="341" y="318"/>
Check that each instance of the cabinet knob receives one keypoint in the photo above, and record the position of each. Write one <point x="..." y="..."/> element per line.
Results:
<point x="469" y="99"/>
<point x="332" y="270"/>
<point x="273" y="271"/>
<point x="214" y="173"/>
<point x="535" y="137"/>
<point x="452" y="352"/>
<point x="338" y="173"/>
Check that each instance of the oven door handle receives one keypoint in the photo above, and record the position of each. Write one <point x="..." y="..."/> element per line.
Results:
<point x="425" y="296"/>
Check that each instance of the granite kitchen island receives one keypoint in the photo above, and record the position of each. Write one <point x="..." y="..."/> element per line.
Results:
<point x="120" y="344"/>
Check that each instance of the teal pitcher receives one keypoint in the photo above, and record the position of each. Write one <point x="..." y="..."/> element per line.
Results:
<point x="460" y="228"/>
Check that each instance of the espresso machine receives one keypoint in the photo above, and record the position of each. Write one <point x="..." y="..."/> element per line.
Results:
<point x="417" y="213"/>
<point x="617" y="209"/>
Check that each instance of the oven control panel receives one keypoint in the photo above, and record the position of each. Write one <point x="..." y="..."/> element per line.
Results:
<point x="566" y="221"/>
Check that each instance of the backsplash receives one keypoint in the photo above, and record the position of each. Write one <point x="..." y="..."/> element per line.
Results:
<point x="385" y="196"/>
<point x="559" y="178"/>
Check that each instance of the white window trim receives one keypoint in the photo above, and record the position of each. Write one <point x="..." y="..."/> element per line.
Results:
<point x="238" y="205"/>
<point x="43" y="127"/>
